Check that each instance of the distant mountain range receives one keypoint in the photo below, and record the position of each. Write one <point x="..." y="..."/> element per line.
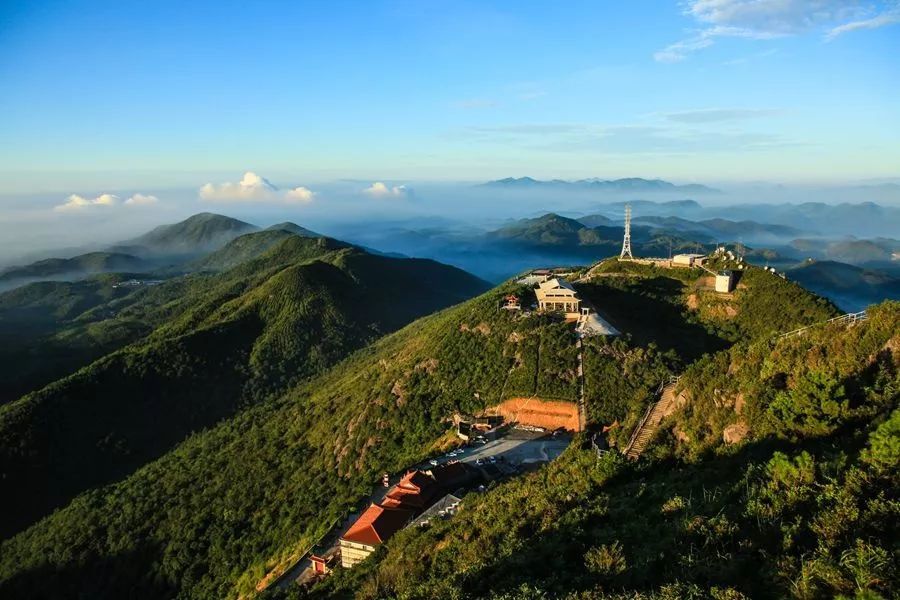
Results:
<point x="201" y="232"/>
<point x="859" y="252"/>
<point x="629" y="184"/>
<point x="56" y="268"/>
<point x="555" y="232"/>
<point x="851" y="288"/>
<point x="180" y="246"/>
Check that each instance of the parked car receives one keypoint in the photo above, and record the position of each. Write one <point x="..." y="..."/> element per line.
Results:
<point x="433" y="462"/>
<point x="479" y="461"/>
<point x="493" y="459"/>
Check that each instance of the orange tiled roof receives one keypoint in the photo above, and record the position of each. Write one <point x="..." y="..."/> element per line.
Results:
<point x="377" y="524"/>
<point x="415" y="490"/>
<point x="416" y="480"/>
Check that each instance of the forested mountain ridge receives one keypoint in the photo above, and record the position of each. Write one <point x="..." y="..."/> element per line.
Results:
<point x="209" y="518"/>
<point x="216" y="344"/>
<point x="93" y="262"/>
<point x="567" y="237"/>
<point x="802" y="504"/>
<point x="50" y="329"/>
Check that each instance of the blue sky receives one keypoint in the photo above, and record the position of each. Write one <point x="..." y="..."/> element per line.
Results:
<point x="108" y="95"/>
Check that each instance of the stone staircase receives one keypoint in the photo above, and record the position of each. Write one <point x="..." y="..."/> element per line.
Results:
<point x="649" y="423"/>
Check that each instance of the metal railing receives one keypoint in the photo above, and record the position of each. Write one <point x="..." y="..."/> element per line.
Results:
<point x="637" y="430"/>
<point x="848" y="319"/>
<point x="640" y="426"/>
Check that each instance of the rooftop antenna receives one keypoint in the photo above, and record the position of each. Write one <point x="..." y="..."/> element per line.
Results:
<point x="626" y="243"/>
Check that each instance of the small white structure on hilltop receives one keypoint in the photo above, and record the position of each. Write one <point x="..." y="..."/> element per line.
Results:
<point x="725" y="282"/>
<point x="689" y="260"/>
<point x="557" y="294"/>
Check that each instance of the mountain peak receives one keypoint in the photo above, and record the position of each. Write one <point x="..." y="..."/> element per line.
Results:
<point x="293" y="228"/>
<point x="198" y="233"/>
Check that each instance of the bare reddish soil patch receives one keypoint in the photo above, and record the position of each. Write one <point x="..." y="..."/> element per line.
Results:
<point x="549" y="414"/>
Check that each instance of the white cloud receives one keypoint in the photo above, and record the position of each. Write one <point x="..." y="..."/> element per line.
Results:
<point x="769" y="19"/>
<point x="380" y="190"/>
<point x="77" y="202"/>
<point x="888" y="17"/>
<point x="251" y="187"/>
<point x="299" y="195"/>
<point x="255" y="188"/>
<point x="678" y="51"/>
<point x="764" y="19"/>
<point x="141" y="200"/>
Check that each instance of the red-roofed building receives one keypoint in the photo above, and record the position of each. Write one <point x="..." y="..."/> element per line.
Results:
<point x="416" y="491"/>
<point x="373" y="527"/>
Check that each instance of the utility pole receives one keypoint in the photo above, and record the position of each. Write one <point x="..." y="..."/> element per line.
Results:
<point x="626" y="243"/>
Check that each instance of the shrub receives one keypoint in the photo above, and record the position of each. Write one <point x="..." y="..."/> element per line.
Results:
<point x="606" y="561"/>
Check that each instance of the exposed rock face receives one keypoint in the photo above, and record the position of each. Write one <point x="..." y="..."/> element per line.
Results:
<point x="549" y="414"/>
<point x="735" y="433"/>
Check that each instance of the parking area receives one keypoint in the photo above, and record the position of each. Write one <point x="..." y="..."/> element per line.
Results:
<point x="517" y="447"/>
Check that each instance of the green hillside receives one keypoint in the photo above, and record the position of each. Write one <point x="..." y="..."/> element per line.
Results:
<point x="218" y="344"/>
<point x="78" y="266"/>
<point x="804" y="506"/>
<point x="49" y="329"/>
<point x="209" y="518"/>
<point x="240" y="249"/>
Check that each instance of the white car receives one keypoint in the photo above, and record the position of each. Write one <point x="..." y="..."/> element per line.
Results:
<point x="433" y="462"/>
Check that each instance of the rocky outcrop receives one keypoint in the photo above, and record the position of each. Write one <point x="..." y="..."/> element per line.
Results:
<point x="735" y="433"/>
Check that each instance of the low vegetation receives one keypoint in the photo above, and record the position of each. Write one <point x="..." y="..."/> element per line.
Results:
<point x="215" y="345"/>
<point x="209" y="516"/>
<point x="806" y="507"/>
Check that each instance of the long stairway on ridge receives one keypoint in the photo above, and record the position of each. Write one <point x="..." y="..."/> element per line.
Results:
<point x="649" y="424"/>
